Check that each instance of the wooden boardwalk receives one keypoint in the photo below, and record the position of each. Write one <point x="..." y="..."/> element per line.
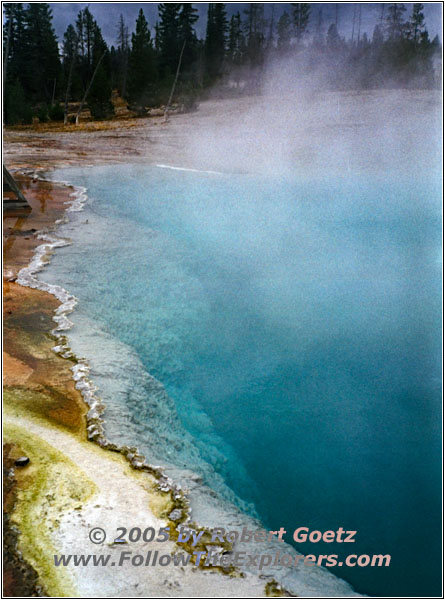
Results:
<point x="14" y="202"/>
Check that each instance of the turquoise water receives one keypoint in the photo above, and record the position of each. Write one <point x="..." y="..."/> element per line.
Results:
<point x="295" y="326"/>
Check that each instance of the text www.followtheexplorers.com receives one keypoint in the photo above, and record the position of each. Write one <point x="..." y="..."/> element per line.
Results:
<point x="218" y="556"/>
<point x="214" y="559"/>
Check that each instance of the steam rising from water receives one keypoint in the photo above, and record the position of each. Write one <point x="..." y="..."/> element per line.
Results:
<point x="295" y="125"/>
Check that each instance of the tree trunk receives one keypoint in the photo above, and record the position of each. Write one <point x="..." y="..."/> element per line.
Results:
<point x="124" y="72"/>
<point x="124" y="77"/>
<point x="174" y="84"/>
<point x="353" y="23"/>
<point x="271" y="24"/>
<point x="359" y="21"/>
<point x="5" y="66"/>
<point x="54" y="92"/>
<point x="68" y="89"/>
<point x="88" y="89"/>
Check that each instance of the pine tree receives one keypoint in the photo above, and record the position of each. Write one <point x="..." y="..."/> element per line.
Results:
<point x="70" y="46"/>
<point x="216" y="40"/>
<point x="14" y="41"/>
<point x="210" y="29"/>
<point x="318" y="35"/>
<point x="221" y="28"/>
<point x="301" y="14"/>
<point x="270" y="35"/>
<point x="416" y="24"/>
<point x="93" y="67"/>
<point x="85" y="26"/>
<point x="99" y="97"/>
<point x="237" y="44"/>
<point x="255" y="33"/>
<point x="157" y="38"/>
<point x="80" y="34"/>
<point x="16" y="108"/>
<point x="142" y="68"/>
<point x="186" y="34"/>
<point x="377" y="36"/>
<point x="169" y="45"/>
<point x="333" y="40"/>
<point x="73" y="85"/>
<point x="122" y="55"/>
<point x="42" y="65"/>
<point x="284" y="31"/>
<point x="395" y="26"/>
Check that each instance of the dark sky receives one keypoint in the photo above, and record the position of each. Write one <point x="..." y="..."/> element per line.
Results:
<point x="107" y="15"/>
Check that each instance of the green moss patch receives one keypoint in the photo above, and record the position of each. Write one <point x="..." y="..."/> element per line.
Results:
<point x="50" y="485"/>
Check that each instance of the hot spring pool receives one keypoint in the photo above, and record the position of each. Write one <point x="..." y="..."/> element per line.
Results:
<point x="295" y="326"/>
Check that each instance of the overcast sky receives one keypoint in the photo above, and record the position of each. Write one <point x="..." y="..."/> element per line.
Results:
<point x="107" y="15"/>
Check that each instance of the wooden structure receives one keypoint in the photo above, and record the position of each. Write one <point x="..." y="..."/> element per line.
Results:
<point x="14" y="202"/>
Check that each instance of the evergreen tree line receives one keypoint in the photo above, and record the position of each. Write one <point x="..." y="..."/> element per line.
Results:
<point x="41" y="77"/>
<point x="399" y="54"/>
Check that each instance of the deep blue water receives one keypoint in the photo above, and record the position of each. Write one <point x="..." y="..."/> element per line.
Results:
<point x="296" y="325"/>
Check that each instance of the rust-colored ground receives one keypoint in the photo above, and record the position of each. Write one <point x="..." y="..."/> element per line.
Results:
<point x="39" y="381"/>
<point x="29" y="362"/>
<point x="48" y="202"/>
